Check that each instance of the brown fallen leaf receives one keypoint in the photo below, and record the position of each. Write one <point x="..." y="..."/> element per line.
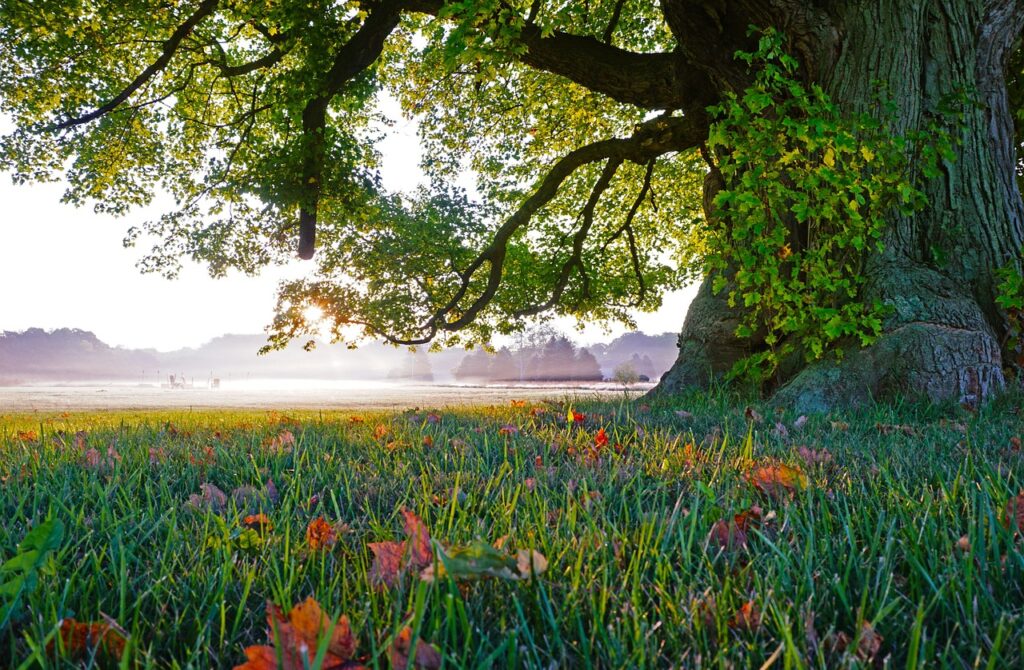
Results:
<point x="752" y="415"/>
<point x="890" y="428"/>
<point x="814" y="457"/>
<point x="209" y="498"/>
<point x="869" y="642"/>
<point x="425" y="657"/>
<point x="388" y="562"/>
<point x="421" y="553"/>
<point x="79" y="641"/>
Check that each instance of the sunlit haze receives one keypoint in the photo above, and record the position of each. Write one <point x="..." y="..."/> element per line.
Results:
<point x="66" y="267"/>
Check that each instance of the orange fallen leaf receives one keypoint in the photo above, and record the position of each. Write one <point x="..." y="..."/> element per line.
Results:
<point x="391" y="559"/>
<point x="320" y="534"/>
<point x="297" y="638"/>
<point x="27" y="436"/>
<point x="601" y="438"/>
<point x="508" y="429"/>
<point x="425" y="657"/>
<point x="747" y="618"/>
<point x="79" y="641"/>
<point x="777" y="479"/>
<point x="518" y="403"/>
<point x="260" y="522"/>
<point x="380" y="431"/>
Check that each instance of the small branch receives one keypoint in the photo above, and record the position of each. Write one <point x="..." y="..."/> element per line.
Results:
<point x="613" y="22"/>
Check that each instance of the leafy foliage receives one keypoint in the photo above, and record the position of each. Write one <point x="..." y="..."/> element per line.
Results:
<point x="20" y="573"/>
<point x="805" y="199"/>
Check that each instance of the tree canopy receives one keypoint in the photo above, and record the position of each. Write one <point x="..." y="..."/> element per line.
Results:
<point x="260" y="118"/>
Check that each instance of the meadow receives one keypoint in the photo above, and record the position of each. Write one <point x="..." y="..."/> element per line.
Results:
<point x="589" y="534"/>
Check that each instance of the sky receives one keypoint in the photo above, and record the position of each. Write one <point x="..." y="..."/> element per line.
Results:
<point x="62" y="266"/>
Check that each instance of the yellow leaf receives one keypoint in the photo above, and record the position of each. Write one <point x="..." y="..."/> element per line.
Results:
<point x="830" y="157"/>
<point x="868" y="154"/>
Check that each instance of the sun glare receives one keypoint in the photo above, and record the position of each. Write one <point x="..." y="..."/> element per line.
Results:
<point x="314" y="315"/>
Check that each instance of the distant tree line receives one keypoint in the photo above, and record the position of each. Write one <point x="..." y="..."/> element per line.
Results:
<point x="557" y="360"/>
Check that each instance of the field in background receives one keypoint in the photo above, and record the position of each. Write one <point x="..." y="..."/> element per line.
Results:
<point x="302" y="393"/>
<point x="691" y="534"/>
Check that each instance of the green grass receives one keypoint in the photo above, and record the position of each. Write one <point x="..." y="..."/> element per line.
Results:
<point x="633" y="580"/>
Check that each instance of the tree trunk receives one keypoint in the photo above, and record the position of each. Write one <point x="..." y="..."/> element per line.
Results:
<point x="937" y="272"/>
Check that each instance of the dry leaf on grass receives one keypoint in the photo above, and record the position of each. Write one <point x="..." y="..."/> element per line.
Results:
<point x="80" y="641"/>
<point x="297" y="638"/>
<point x="425" y="656"/>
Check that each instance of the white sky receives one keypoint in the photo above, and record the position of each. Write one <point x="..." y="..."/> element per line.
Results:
<point x="62" y="266"/>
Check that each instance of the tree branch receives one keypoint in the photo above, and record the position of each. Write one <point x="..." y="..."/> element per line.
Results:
<point x="352" y="58"/>
<point x="206" y="8"/>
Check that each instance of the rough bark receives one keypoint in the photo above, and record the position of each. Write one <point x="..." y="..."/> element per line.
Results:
<point x="943" y="337"/>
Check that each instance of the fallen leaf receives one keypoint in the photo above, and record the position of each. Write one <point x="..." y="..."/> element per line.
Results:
<point x="480" y="559"/>
<point x="26" y="436"/>
<point x="508" y="429"/>
<point x="747" y="618"/>
<point x="890" y="428"/>
<point x="320" y="534"/>
<point x="380" y="431"/>
<point x="600" y="439"/>
<point x="210" y="498"/>
<point x="425" y="657"/>
<point x="260" y="522"/>
<point x="388" y="562"/>
<point x="753" y="415"/>
<point x="731" y="534"/>
<point x="518" y="403"/>
<point x="814" y="457"/>
<point x="79" y="641"/>
<point x="777" y="479"/>
<point x="964" y="544"/>
<point x="296" y="639"/>
<point x="1014" y="516"/>
<point x="840" y="426"/>
<point x="421" y="553"/>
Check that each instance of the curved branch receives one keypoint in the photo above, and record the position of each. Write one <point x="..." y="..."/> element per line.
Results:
<point x="627" y="227"/>
<point x="206" y="8"/>
<point x="650" y="140"/>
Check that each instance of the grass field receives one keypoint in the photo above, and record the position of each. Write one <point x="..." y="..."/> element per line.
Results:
<point x="689" y="534"/>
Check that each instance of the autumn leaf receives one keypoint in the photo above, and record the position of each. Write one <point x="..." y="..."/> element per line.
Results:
<point x="296" y="640"/>
<point x="388" y="558"/>
<point x="508" y="429"/>
<point x="869" y="642"/>
<point x="518" y="403"/>
<point x="814" y="457"/>
<point x="425" y="657"/>
<point x="1014" y="516"/>
<point x="747" y="618"/>
<point x="600" y="439"/>
<point x="27" y="436"/>
<point x="421" y="554"/>
<point x="731" y="534"/>
<point x="777" y="479"/>
<point x="259" y="522"/>
<point x="80" y="641"/>
<point x="209" y="498"/>
<point x="480" y="559"/>
<point x="752" y="415"/>
<point x="380" y="431"/>
<point x="320" y="534"/>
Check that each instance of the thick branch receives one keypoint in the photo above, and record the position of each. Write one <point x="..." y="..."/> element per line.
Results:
<point x="647" y="80"/>
<point x="170" y="47"/>
<point x="352" y="58"/>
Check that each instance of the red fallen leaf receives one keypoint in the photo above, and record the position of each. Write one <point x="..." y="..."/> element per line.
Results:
<point x="425" y="657"/>
<point x="207" y="458"/>
<point x="530" y="483"/>
<point x="283" y="441"/>
<point x="600" y="439"/>
<point x="1014" y="516"/>
<point x="388" y="558"/>
<point x="320" y="534"/>
<point x="578" y="417"/>
<point x="297" y="638"/>
<point x="777" y="479"/>
<point x="422" y="554"/>
<point x="1015" y="444"/>
<point x="747" y="618"/>
<point x="538" y="461"/>
<point x="508" y="429"/>
<point x="731" y="534"/>
<point x="260" y="522"/>
<point x="81" y="640"/>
